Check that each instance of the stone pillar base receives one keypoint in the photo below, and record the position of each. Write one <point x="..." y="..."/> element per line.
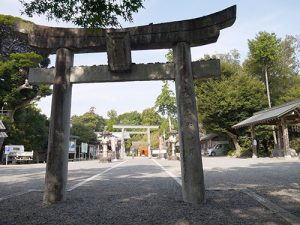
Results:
<point x="172" y="157"/>
<point x="104" y="160"/>
<point x="254" y="157"/>
<point x="288" y="157"/>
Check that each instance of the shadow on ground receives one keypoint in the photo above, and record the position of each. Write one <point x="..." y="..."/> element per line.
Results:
<point x="129" y="196"/>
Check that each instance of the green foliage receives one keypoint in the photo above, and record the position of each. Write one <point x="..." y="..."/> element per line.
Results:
<point x="245" y="143"/>
<point x="292" y="91"/>
<point x="86" y="125"/>
<point x="112" y="119"/>
<point x="30" y="129"/>
<point x="279" y="57"/>
<point x="225" y="102"/>
<point x="230" y="63"/>
<point x="130" y="118"/>
<point x="264" y="49"/>
<point x="13" y="74"/>
<point x="10" y="20"/>
<point x="295" y="144"/>
<point x="90" y="119"/>
<point x="150" y="117"/>
<point x="86" y="13"/>
<point x="166" y="102"/>
<point x="85" y="133"/>
<point x="169" y="56"/>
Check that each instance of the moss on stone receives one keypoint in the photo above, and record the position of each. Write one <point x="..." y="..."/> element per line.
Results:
<point x="11" y="20"/>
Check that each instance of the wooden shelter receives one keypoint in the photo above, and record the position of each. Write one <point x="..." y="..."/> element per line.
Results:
<point x="280" y="116"/>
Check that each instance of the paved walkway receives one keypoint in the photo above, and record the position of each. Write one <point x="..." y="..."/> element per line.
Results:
<point x="147" y="191"/>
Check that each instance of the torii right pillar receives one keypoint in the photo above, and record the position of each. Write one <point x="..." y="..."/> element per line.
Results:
<point x="190" y="153"/>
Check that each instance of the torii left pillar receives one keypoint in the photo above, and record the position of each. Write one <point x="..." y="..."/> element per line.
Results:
<point x="59" y="131"/>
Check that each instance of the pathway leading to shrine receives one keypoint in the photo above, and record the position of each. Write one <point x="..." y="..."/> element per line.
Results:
<point x="140" y="191"/>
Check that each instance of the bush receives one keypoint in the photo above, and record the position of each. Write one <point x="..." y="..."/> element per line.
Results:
<point x="295" y="144"/>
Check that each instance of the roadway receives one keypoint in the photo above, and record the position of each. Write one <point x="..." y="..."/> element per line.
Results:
<point x="148" y="191"/>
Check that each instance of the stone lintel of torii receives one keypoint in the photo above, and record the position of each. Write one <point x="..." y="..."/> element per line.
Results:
<point x="139" y="72"/>
<point x="123" y="127"/>
<point x="118" y="43"/>
<point x="197" y="32"/>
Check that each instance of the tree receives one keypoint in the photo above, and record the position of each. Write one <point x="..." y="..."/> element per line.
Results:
<point x="91" y="119"/>
<point x="230" y="63"/>
<point x="30" y="129"/>
<point x="130" y="118"/>
<point x="264" y="53"/>
<point x="13" y="74"/>
<point x="292" y="93"/>
<point x="166" y="102"/>
<point x="86" y="13"/>
<point x="86" y="125"/>
<point x="169" y="56"/>
<point x="85" y="133"/>
<point x="150" y="117"/>
<point x="276" y="60"/>
<point x="112" y="119"/>
<point x="225" y="102"/>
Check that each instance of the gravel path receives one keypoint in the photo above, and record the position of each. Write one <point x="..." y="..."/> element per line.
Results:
<point x="135" y="192"/>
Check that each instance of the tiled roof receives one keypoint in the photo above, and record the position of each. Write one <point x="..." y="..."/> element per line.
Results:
<point x="268" y="115"/>
<point x="2" y="127"/>
<point x="3" y="135"/>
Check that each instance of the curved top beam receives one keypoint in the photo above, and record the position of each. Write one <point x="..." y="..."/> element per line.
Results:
<point x="197" y="32"/>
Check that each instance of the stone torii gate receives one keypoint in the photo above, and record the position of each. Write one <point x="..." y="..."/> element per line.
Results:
<point x="118" y="43"/>
<point x="123" y="127"/>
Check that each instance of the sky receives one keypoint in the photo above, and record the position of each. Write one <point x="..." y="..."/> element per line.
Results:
<point x="280" y="17"/>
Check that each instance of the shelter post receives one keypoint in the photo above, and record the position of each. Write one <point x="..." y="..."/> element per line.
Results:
<point x="254" y="142"/>
<point x="149" y="143"/>
<point x="190" y="152"/>
<point x="285" y="137"/>
<point x="59" y="131"/>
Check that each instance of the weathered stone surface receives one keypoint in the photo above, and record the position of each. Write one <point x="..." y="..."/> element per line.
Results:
<point x="189" y="141"/>
<point x="118" y="51"/>
<point x="198" y="31"/>
<point x="139" y="72"/>
<point x="181" y="34"/>
<point x="12" y="42"/>
<point x="59" y="130"/>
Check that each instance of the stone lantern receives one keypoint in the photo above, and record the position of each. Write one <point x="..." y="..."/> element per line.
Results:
<point x="104" y="142"/>
<point x="173" y="140"/>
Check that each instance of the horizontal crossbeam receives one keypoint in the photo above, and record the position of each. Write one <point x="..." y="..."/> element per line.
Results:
<point x="199" y="31"/>
<point x="139" y="72"/>
<point x="135" y="127"/>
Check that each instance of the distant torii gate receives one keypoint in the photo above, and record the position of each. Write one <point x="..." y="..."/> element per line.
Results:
<point x="123" y="127"/>
<point x="118" y="43"/>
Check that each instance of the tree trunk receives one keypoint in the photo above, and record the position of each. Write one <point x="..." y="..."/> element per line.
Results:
<point x="170" y="123"/>
<point x="235" y="142"/>
<point x="269" y="101"/>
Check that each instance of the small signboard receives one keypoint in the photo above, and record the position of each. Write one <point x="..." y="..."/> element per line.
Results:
<point x="72" y="146"/>
<point x="84" y="147"/>
<point x="7" y="149"/>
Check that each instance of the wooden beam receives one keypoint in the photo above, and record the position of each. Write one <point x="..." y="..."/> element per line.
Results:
<point x="139" y="72"/>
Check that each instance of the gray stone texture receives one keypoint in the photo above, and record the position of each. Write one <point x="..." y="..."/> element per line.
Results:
<point x="188" y="130"/>
<point x="59" y="131"/>
<point x="139" y="72"/>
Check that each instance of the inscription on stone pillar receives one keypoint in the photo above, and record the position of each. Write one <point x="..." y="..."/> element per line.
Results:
<point x="118" y="51"/>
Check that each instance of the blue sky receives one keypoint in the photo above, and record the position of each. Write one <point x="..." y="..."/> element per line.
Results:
<point x="280" y="17"/>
